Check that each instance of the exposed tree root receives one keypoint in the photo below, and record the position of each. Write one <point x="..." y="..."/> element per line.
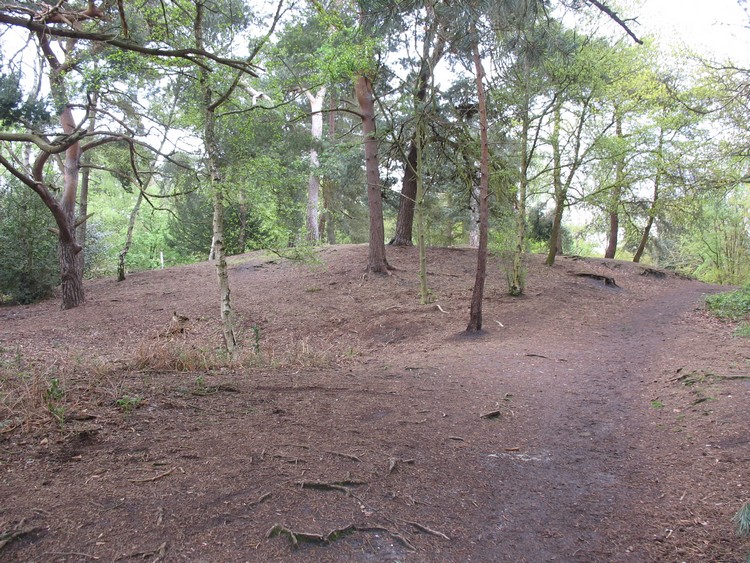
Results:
<point x="324" y="539"/>
<point x="608" y="280"/>
<point x="423" y="528"/>
<point x="17" y="531"/>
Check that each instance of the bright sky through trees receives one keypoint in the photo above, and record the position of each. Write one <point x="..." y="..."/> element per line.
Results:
<point x="716" y="27"/>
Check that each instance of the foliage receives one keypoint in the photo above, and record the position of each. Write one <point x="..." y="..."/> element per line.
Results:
<point x="28" y="251"/>
<point x="14" y="109"/>
<point x="717" y="243"/>
<point x="742" y="519"/>
<point x="730" y="305"/>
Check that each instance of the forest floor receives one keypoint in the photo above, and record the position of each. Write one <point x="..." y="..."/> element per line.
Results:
<point x="589" y="422"/>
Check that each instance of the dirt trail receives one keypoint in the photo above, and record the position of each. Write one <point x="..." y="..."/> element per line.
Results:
<point x="579" y="487"/>
<point x="374" y="426"/>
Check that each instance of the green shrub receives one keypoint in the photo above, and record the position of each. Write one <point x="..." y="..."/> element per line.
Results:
<point x="730" y="305"/>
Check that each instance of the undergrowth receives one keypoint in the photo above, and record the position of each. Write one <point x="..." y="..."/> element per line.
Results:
<point x="732" y="306"/>
<point x="39" y="395"/>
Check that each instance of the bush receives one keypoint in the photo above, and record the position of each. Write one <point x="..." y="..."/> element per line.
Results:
<point x="730" y="305"/>
<point x="29" y="269"/>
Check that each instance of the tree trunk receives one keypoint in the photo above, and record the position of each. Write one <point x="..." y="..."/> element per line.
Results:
<point x="405" y="220"/>
<point x="365" y="96"/>
<point x="614" y="202"/>
<point x="327" y="224"/>
<point x="128" y="238"/>
<point x="652" y="207"/>
<point x="313" y="187"/>
<point x="217" y="185"/>
<point x="83" y="200"/>
<point x="554" y="238"/>
<point x="474" y="216"/>
<point x="424" y="292"/>
<point x="243" y="214"/>
<point x="475" y="315"/>
<point x="69" y="251"/>
<point x="222" y="272"/>
<point x="517" y="281"/>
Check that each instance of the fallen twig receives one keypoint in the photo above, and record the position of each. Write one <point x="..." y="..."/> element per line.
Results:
<point x="345" y="455"/>
<point x="439" y="308"/>
<point x="393" y="463"/>
<point x="427" y="530"/>
<point x="261" y="498"/>
<point x="491" y="414"/>
<point x="160" y="553"/>
<point x="72" y="554"/>
<point x="154" y="478"/>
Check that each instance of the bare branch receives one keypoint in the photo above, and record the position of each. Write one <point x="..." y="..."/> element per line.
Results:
<point x="612" y="14"/>
<point x="194" y="56"/>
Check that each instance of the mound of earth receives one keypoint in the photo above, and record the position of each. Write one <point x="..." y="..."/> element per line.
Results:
<point x="600" y="417"/>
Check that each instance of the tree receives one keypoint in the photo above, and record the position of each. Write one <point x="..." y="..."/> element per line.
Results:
<point x="433" y="49"/>
<point x="83" y="47"/>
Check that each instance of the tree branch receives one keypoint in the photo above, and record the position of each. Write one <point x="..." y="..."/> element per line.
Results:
<point x="193" y="56"/>
<point x="617" y="19"/>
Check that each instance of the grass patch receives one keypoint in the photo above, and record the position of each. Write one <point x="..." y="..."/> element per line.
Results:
<point x="743" y="330"/>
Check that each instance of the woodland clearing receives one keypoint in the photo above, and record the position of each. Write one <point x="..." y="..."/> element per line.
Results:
<point x="588" y="422"/>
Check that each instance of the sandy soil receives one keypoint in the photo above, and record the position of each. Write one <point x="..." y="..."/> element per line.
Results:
<point x="589" y="422"/>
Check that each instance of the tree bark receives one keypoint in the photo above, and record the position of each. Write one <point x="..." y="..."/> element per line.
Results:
<point x="405" y="219"/>
<point x="69" y="252"/>
<point x="614" y="202"/>
<point x="474" y="215"/>
<point x="377" y="262"/>
<point x="554" y="239"/>
<point x="517" y="281"/>
<point x="652" y="207"/>
<point x="83" y="200"/>
<point x="313" y="187"/>
<point x="128" y="238"/>
<point x="217" y="185"/>
<point x="475" y="315"/>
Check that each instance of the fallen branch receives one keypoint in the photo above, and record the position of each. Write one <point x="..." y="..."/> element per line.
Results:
<point x="491" y="414"/>
<point x="160" y="553"/>
<point x="340" y="486"/>
<point x="344" y="455"/>
<point x="427" y="530"/>
<point x="154" y="478"/>
<point x="72" y="554"/>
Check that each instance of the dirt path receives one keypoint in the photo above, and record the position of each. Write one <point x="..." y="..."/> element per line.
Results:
<point x="372" y="426"/>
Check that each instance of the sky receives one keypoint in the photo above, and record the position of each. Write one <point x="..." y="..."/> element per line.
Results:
<point x="718" y="27"/>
